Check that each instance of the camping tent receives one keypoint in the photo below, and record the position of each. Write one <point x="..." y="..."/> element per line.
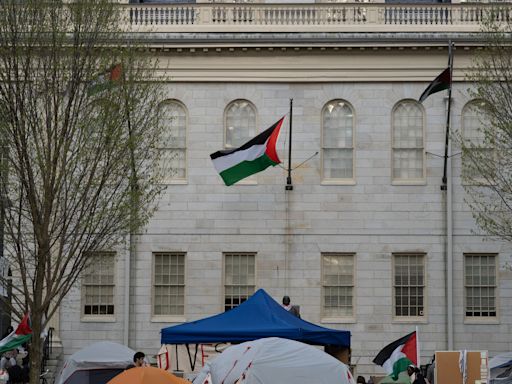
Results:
<point x="147" y="375"/>
<point x="274" y="360"/>
<point x="501" y="369"/>
<point x="96" y="364"/>
<point x="260" y="316"/>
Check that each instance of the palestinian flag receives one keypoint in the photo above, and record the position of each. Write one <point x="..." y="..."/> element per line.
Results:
<point x="105" y="81"/>
<point x="254" y="156"/>
<point x="398" y="355"/>
<point x="440" y="83"/>
<point x="21" y="335"/>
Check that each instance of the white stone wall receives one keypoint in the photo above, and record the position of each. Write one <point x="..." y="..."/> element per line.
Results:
<point x="372" y="218"/>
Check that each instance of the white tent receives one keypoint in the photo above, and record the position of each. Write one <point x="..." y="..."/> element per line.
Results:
<point x="501" y="368"/>
<point x="96" y="364"/>
<point x="274" y="360"/>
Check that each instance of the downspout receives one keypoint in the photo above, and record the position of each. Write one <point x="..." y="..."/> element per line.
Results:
<point x="449" y="248"/>
<point x="126" y="315"/>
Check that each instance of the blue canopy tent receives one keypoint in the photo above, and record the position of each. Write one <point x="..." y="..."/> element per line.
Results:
<point x="260" y="316"/>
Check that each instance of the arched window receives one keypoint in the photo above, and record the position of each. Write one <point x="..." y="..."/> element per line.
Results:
<point x="337" y="141"/>
<point x="240" y="123"/>
<point x="408" y="153"/>
<point x="474" y="145"/>
<point x="174" y="143"/>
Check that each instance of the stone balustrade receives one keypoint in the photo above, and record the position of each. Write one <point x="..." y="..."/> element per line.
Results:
<point x="338" y="17"/>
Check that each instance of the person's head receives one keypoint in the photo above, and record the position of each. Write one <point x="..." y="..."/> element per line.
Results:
<point x="286" y="300"/>
<point x="361" y="380"/>
<point x="138" y="359"/>
<point x="411" y="369"/>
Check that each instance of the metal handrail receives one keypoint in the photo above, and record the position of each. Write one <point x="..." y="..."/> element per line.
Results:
<point x="47" y="349"/>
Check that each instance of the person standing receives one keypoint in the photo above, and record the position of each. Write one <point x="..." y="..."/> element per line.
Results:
<point x="415" y="375"/>
<point x="290" y="308"/>
<point x="431" y="371"/>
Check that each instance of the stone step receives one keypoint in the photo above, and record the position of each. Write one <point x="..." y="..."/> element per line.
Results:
<point x="51" y="365"/>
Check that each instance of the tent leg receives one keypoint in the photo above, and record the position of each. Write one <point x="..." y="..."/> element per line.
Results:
<point x="177" y="359"/>
<point x="193" y="363"/>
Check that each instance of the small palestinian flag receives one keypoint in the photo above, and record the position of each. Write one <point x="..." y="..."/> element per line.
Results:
<point x="440" y="83"/>
<point x="105" y="81"/>
<point x="21" y="335"/>
<point x="397" y="356"/>
<point x="254" y="156"/>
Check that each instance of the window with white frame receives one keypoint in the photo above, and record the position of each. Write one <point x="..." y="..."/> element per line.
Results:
<point x="474" y="143"/>
<point x="338" y="141"/>
<point x="239" y="278"/>
<point x="169" y="284"/>
<point x="240" y="123"/>
<point x="173" y="147"/>
<point x="480" y="285"/>
<point x="337" y="284"/>
<point x="408" y="146"/>
<point x="409" y="285"/>
<point x="98" y="285"/>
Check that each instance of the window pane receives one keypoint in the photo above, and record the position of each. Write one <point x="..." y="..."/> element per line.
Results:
<point x="337" y="284"/>
<point x="480" y="285"/>
<point x="338" y="142"/>
<point x="474" y="140"/>
<point x="174" y="141"/>
<point x="240" y="123"/>
<point x="98" y="284"/>
<point x="408" y="147"/>
<point x="239" y="278"/>
<point x="409" y="285"/>
<point x="338" y="163"/>
<point x="169" y="283"/>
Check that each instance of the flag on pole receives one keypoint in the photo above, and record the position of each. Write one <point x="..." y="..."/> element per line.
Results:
<point x="397" y="356"/>
<point x="257" y="154"/>
<point x="105" y="81"/>
<point x="440" y="83"/>
<point x="21" y="335"/>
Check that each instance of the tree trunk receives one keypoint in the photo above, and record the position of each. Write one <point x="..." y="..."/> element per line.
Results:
<point x="36" y="350"/>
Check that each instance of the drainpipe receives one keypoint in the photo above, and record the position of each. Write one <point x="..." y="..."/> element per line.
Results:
<point x="449" y="247"/>
<point x="126" y="330"/>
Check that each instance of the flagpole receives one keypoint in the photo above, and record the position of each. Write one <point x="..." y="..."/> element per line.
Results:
<point x="447" y="136"/>
<point x="447" y="186"/>
<point x="289" y="186"/>
<point x="418" y="347"/>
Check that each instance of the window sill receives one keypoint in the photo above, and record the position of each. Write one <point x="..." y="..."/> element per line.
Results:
<point x="168" y="319"/>
<point x="174" y="182"/>
<point x="481" y="321"/>
<point x="409" y="182"/>
<point x="338" y="320"/>
<point x="413" y="320"/>
<point x="338" y="182"/>
<point x="97" y="319"/>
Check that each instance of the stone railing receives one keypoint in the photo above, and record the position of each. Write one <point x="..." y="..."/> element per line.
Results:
<point x="339" y="17"/>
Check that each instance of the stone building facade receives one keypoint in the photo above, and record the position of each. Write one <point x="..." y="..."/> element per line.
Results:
<point x="363" y="241"/>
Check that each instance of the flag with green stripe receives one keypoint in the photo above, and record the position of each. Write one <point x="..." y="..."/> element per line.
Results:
<point x="397" y="356"/>
<point x="257" y="154"/>
<point x="21" y="335"/>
